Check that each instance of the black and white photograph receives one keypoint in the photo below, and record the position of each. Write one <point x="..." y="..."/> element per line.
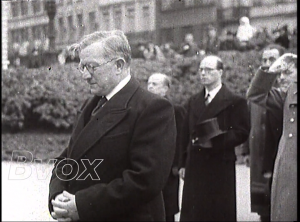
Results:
<point x="149" y="110"/>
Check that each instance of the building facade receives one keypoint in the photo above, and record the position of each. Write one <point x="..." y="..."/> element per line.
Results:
<point x="4" y="26"/>
<point x="142" y="20"/>
<point x="28" y="20"/>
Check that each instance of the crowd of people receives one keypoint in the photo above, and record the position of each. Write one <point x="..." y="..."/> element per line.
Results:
<point x="130" y="145"/>
<point x="246" y="37"/>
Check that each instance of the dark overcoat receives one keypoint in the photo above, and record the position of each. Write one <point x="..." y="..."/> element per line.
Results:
<point x="134" y="134"/>
<point x="266" y="129"/>
<point x="209" y="192"/>
<point x="284" y="183"/>
<point x="171" y="190"/>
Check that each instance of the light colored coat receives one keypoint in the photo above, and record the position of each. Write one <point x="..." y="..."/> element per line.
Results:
<point x="284" y="185"/>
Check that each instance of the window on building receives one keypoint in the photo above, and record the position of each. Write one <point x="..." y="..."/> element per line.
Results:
<point x="70" y="22"/>
<point x="92" y="21"/>
<point x="16" y="36"/>
<point x="24" y="34"/>
<point x="80" y="25"/>
<point x="130" y="18"/>
<point x="24" y="7"/>
<point x="71" y="27"/>
<point x="45" y="31"/>
<point x="118" y="17"/>
<point x="15" y="10"/>
<point x="36" y="5"/>
<point x="62" y="30"/>
<point x="35" y="32"/>
<point x="146" y="16"/>
<point x="106" y="19"/>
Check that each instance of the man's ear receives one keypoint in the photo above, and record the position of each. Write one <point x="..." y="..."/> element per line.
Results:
<point x="221" y="72"/>
<point x="120" y="64"/>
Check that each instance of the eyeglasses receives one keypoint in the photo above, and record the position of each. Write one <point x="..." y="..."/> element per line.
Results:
<point x="91" y="68"/>
<point x="206" y="69"/>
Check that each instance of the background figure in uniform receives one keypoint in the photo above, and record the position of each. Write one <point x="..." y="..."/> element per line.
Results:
<point x="122" y="146"/>
<point x="160" y="84"/>
<point x="217" y="121"/>
<point x="282" y="102"/>
<point x="266" y="129"/>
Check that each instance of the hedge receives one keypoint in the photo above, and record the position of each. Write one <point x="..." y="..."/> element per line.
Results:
<point x="51" y="96"/>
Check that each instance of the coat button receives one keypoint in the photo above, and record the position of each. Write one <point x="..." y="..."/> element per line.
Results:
<point x="290" y="135"/>
<point x="292" y="120"/>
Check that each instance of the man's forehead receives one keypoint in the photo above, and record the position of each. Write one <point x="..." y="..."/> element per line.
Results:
<point x="209" y="63"/>
<point x="271" y="53"/>
<point x="156" y="78"/>
<point x="95" y="48"/>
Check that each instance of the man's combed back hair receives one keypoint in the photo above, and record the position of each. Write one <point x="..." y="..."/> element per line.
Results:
<point x="166" y="79"/>
<point x="115" y="44"/>
<point x="280" y="49"/>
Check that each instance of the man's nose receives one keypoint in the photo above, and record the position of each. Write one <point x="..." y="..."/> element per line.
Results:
<point x="202" y="72"/>
<point x="86" y="74"/>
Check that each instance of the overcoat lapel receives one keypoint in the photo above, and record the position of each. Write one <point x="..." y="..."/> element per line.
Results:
<point x="83" y="115"/>
<point x="198" y="105"/>
<point x="220" y="102"/>
<point x="106" y="119"/>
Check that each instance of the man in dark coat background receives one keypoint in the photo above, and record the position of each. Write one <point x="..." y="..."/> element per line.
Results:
<point x="160" y="84"/>
<point x="122" y="146"/>
<point x="262" y="145"/>
<point x="216" y="122"/>
<point x="283" y="103"/>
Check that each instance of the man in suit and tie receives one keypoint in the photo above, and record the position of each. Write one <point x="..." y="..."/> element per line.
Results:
<point x="160" y="84"/>
<point x="217" y="121"/>
<point x="122" y="146"/>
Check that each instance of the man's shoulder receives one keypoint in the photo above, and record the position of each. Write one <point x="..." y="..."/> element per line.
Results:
<point x="144" y="97"/>
<point x="230" y="95"/>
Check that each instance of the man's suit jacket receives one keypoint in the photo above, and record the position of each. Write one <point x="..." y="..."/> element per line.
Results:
<point x="135" y="134"/>
<point x="209" y="191"/>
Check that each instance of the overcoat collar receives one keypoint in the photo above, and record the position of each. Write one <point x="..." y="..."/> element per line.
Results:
<point x="222" y="100"/>
<point x="87" y="133"/>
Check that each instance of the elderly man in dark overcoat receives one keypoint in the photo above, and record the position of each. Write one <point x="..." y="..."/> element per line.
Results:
<point x="160" y="84"/>
<point x="122" y="146"/>
<point x="217" y="121"/>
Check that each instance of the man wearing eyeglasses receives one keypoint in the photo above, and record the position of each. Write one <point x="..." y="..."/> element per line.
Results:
<point x="122" y="146"/>
<point x="217" y="121"/>
<point x="283" y="103"/>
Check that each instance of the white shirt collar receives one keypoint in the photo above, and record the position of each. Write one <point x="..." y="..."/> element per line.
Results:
<point x="213" y="92"/>
<point x="118" y="87"/>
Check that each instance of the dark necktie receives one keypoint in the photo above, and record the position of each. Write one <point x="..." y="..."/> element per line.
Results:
<point x="206" y="99"/>
<point x="100" y="104"/>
